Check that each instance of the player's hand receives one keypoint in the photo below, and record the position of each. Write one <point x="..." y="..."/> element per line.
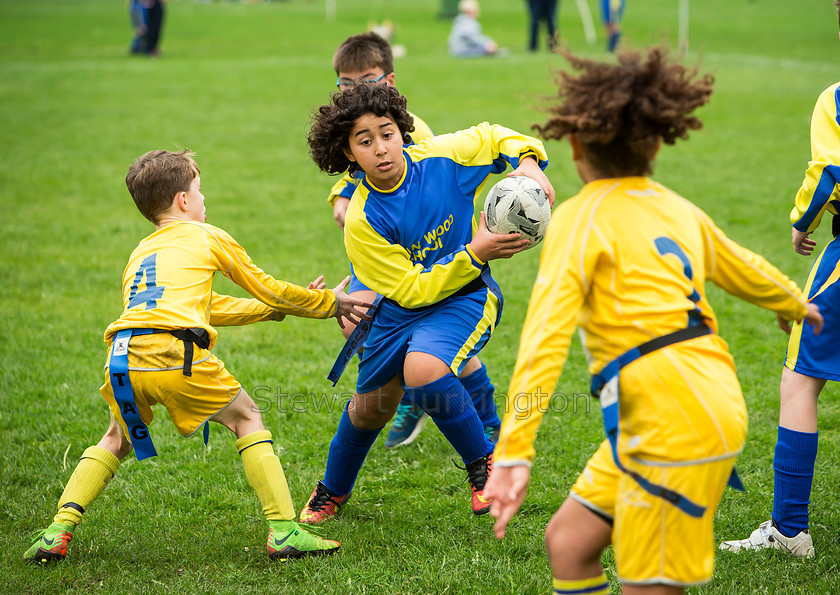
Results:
<point x="348" y="307"/>
<point x="317" y="283"/>
<point x="802" y="242"/>
<point x="507" y="487"/>
<point x="340" y="210"/>
<point x="488" y="246"/>
<point x="812" y="317"/>
<point x="530" y="168"/>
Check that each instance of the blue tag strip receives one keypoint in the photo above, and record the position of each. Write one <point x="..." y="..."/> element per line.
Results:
<point x="138" y="433"/>
<point x="354" y="343"/>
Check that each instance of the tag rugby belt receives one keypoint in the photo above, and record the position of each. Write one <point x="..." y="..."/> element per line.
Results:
<point x="356" y="340"/>
<point x="138" y="433"/>
<point x="604" y="386"/>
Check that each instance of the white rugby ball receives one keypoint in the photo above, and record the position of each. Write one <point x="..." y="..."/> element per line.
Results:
<point x="518" y="204"/>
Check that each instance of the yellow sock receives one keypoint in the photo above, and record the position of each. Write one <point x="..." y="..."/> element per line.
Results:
<point x="597" y="585"/>
<point x="95" y="469"/>
<point x="265" y="474"/>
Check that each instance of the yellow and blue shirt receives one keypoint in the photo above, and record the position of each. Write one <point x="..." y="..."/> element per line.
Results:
<point x="818" y="192"/>
<point x="410" y="243"/>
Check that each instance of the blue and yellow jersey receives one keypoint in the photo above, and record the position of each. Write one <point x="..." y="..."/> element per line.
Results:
<point x="167" y="284"/>
<point x="346" y="186"/>
<point x="410" y="243"/>
<point x="818" y="192"/>
<point x="625" y="261"/>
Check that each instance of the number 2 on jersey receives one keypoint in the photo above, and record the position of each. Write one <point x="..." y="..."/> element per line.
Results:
<point x="665" y="246"/>
<point x="152" y="293"/>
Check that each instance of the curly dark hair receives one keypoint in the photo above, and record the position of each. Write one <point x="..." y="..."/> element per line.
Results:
<point x="332" y="123"/>
<point x="620" y="112"/>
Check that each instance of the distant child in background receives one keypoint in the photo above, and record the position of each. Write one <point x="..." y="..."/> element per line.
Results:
<point x="811" y="359"/>
<point x="466" y="39"/>
<point x="612" y="12"/>
<point x="542" y="11"/>
<point x="626" y="261"/>
<point x="147" y="20"/>
<point x="410" y="235"/>
<point x="159" y="352"/>
<point x="367" y="57"/>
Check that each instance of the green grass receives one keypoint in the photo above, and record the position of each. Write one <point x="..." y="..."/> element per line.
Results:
<point x="237" y="84"/>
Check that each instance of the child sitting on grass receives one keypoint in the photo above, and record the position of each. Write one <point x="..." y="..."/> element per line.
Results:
<point x="159" y="352"/>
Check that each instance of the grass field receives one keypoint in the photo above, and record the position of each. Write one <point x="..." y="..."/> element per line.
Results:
<point x="237" y="83"/>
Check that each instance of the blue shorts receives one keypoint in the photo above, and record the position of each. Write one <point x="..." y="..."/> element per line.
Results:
<point x="453" y="330"/>
<point x="813" y="355"/>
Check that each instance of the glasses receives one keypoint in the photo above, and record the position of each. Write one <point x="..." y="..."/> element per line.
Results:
<point x="344" y="84"/>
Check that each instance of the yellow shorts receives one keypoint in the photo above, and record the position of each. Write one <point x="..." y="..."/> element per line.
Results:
<point x="654" y="541"/>
<point x="682" y="422"/>
<point x="155" y="369"/>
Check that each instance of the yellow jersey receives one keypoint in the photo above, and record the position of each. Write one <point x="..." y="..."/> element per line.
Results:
<point x="625" y="261"/>
<point x="167" y="284"/>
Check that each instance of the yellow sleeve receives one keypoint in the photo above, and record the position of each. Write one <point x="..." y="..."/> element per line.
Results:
<point x="484" y="143"/>
<point x="396" y="276"/>
<point x="422" y="130"/>
<point x="557" y="297"/>
<point x="288" y="298"/>
<point x="747" y="275"/>
<point x="344" y="188"/>
<point x="820" y="187"/>
<point x="227" y="310"/>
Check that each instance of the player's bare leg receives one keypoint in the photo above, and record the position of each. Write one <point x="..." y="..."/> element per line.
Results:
<point x="286" y="539"/>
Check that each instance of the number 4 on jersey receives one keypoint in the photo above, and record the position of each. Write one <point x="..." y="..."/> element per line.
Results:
<point x="152" y="293"/>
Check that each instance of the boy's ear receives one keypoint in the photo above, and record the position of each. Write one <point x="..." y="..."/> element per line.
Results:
<point x="181" y="201"/>
<point x="349" y="155"/>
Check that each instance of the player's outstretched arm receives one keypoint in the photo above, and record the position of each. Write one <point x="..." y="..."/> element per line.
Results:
<point x="507" y="487"/>
<point x="812" y="317"/>
<point x="529" y="167"/>
<point x="488" y="246"/>
<point x="348" y="307"/>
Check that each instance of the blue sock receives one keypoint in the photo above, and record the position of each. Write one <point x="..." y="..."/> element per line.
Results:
<point x="482" y="393"/>
<point x="448" y="404"/>
<point x="793" y="467"/>
<point x="348" y="450"/>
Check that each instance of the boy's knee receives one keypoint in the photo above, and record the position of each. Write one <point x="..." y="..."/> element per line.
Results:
<point x="563" y="546"/>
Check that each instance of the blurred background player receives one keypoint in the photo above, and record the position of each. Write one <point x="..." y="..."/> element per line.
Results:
<point x="410" y="236"/>
<point x="542" y="11"/>
<point x="466" y="39"/>
<point x="626" y="260"/>
<point x="612" y="12"/>
<point x="159" y="352"/>
<point x="368" y="57"/>
<point x="147" y="21"/>
<point x="811" y="359"/>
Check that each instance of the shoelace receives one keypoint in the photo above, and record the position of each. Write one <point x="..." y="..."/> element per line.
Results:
<point x="322" y="498"/>
<point x="477" y="472"/>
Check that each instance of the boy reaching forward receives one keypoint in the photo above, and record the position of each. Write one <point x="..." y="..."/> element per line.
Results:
<point x="159" y="352"/>
<point x="626" y="259"/>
